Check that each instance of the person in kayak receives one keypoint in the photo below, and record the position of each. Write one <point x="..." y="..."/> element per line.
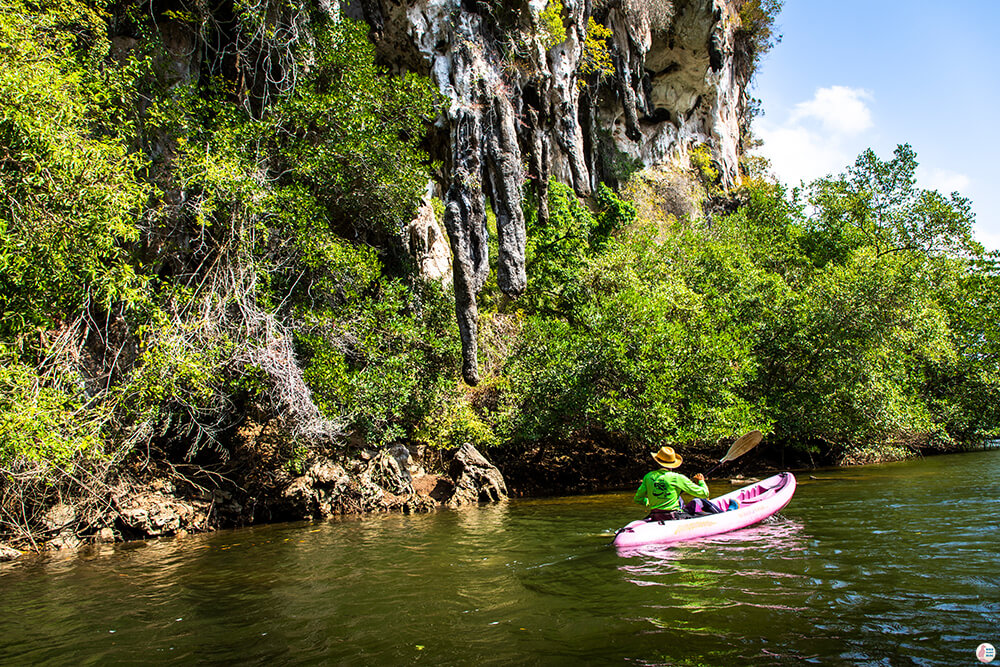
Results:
<point x="660" y="490"/>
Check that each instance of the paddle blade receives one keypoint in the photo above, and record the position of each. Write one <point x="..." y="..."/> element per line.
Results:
<point x="743" y="445"/>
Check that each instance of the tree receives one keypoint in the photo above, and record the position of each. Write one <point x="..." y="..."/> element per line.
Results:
<point x="877" y="203"/>
<point x="963" y="389"/>
<point x="71" y="193"/>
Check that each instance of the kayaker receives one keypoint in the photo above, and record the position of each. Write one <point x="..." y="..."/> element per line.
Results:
<point x="660" y="490"/>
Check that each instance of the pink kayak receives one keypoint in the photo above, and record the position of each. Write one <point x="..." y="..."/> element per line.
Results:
<point x="755" y="503"/>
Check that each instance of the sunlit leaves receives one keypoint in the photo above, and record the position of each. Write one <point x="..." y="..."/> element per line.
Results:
<point x="856" y="321"/>
<point x="384" y="363"/>
<point x="645" y="349"/>
<point x="43" y="424"/>
<point x="70" y="200"/>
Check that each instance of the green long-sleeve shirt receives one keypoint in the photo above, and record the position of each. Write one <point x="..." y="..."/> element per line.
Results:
<point x="661" y="489"/>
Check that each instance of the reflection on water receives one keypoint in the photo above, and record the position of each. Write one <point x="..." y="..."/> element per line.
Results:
<point x="888" y="564"/>
<point x="778" y="532"/>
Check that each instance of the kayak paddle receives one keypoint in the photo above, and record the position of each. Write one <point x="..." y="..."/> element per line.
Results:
<point x="743" y="445"/>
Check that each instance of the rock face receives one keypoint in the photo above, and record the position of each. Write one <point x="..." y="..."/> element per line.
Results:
<point x="164" y="503"/>
<point x="60" y="521"/>
<point x="382" y="480"/>
<point x="8" y="553"/>
<point x="428" y="245"/>
<point x="538" y="90"/>
<point x="158" y="513"/>
<point x="474" y="478"/>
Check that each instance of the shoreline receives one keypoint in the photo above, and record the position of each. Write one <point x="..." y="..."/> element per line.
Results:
<point x="427" y="496"/>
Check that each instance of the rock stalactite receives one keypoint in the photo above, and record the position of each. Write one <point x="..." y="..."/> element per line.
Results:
<point x="522" y="109"/>
<point x="428" y="245"/>
<point x="465" y="221"/>
<point x="506" y="180"/>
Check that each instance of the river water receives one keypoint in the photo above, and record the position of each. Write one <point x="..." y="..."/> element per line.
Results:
<point x="883" y="565"/>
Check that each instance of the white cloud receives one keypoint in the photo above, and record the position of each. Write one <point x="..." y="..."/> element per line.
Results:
<point x="840" y="109"/>
<point x="824" y="135"/>
<point x="821" y="136"/>
<point x="942" y="180"/>
<point x="798" y="154"/>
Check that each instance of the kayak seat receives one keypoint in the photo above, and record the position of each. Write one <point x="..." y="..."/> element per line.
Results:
<point x="702" y="507"/>
<point x="661" y="516"/>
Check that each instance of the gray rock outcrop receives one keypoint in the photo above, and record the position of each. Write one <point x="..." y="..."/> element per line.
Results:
<point x="156" y="513"/>
<point x="475" y="479"/>
<point x="8" y="553"/>
<point x="428" y="245"/>
<point x="60" y="522"/>
<point x="382" y="480"/>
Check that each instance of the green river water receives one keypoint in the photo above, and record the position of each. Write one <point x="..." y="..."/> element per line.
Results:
<point x="883" y="565"/>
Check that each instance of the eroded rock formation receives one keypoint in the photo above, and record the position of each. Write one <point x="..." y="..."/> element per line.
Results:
<point x="427" y="245"/>
<point x="475" y="479"/>
<point x="390" y="479"/>
<point x="527" y="105"/>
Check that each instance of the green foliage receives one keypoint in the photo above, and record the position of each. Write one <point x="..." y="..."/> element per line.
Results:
<point x="755" y="35"/>
<point x="327" y="271"/>
<point x="651" y="361"/>
<point x="856" y="330"/>
<point x="214" y="159"/>
<point x="438" y="206"/>
<point x="613" y="214"/>
<point x="551" y="27"/>
<point x="43" y="422"/>
<point x="383" y="362"/>
<point x="701" y="160"/>
<point x="212" y="216"/>
<point x="870" y="339"/>
<point x="176" y="368"/>
<point x="624" y="342"/>
<point x="185" y="379"/>
<point x="71" y="196"/>
<point x="557" y="249"/>
<point x="963" y="389"/>
<point x="596" y="58"/>
<point x="296" y="464"/>
<point x="452" y="422"/>
<point x="213" y="204"/>
<point x="877" y="203"/>
<point x="350" y="133"/>
<point x="770" y="223"/>
<point x="839" y="372"/>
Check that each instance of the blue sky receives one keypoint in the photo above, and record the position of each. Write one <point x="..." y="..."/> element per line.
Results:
<point x="855" y="74"/>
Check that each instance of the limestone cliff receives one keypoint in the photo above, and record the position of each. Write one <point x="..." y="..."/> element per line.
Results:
<point x="570" y="91"/>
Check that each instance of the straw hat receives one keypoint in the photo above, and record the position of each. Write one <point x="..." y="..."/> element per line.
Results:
<point x="666" y="457"/>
